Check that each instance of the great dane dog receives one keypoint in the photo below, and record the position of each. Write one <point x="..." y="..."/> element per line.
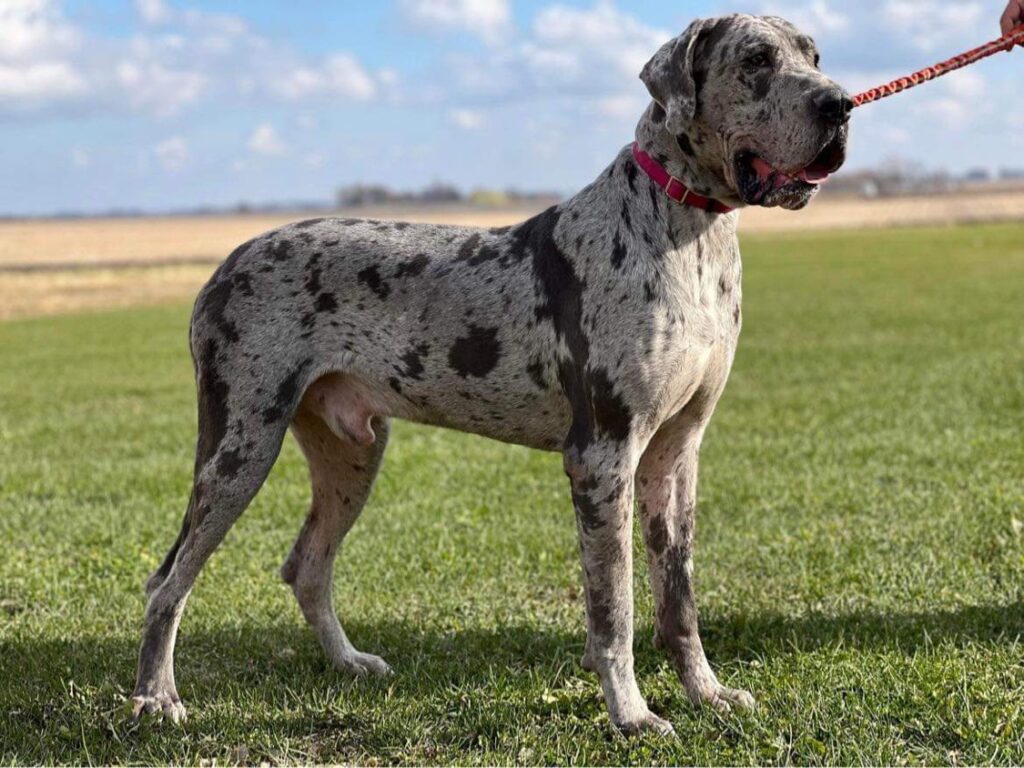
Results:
<point x="603" y="328"/>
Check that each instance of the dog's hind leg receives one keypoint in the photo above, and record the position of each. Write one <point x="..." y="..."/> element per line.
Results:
<point x="342" y="472"/>
<point x="238" y="443"/>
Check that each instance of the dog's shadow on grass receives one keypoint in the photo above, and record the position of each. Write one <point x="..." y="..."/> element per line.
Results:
<point x="282" y="652"/>
<point x="220" y="666"/>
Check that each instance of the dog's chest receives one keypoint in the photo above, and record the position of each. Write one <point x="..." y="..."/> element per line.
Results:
<point x="695" y="328"/>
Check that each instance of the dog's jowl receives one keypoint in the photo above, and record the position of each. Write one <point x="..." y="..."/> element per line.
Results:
<point x="603" y="328"/>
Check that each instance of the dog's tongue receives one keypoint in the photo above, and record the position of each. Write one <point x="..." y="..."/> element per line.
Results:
<point x="767" y="174"/>
<point x="813" y="174"/>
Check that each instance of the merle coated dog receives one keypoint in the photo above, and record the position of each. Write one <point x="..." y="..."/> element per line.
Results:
<point x="603" y="328"/>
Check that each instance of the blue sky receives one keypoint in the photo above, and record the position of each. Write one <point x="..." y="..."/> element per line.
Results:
<point x="165" y="104"/>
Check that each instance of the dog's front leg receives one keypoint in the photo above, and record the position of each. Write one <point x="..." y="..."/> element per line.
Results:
<point x="667" y="486"/>
<point x="602" y="492"/>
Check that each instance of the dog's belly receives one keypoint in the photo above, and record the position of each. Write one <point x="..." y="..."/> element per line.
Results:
<point x="349" y="402"/>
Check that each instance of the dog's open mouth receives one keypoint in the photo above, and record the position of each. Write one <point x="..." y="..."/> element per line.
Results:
<point x="761" y="183"/>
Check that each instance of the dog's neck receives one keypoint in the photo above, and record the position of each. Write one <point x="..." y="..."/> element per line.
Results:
<point x="678" y="155"/>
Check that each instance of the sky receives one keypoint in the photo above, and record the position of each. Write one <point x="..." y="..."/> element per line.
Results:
<point x="161" y="105"/>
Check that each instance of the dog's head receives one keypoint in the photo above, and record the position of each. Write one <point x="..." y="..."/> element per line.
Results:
<point x="748" y="109"/>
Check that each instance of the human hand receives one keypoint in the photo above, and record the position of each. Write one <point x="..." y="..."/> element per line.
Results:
<point x="1012" y="16"/>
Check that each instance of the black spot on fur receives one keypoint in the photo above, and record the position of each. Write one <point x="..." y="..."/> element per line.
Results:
<point x="370" y="277"/>
<point x="655" y="193"/>
<point x="308" y="223"/>
<point x="281" y="250"/>
<point x="535" y="369"/>
<point x="476" y="353"/>
<point x="395" y="384"/>
<point x="287" y="394"/>
<point x="601" y="618"/>
<point x="657" y="113"/>
<point x="213" y="404"/>
<point x="330" y="243"/>
<point x="243" y="282"/>
<point x="214" y="305"/>
<point x="705" y="46"/>
<point x="413" y="360"/>
<point x="612" y="416"/>
<point x="618" y="251"/>
<point x="499" y="230"/>
<point x="676" y="619"/>
<point x="232" y="260"/>
<point x="485" y="254"/>
<point x="229" y="462"/>
<point x="468" y="248"/>
<point x="684" y="144"/>
<point x="631" y="170"/>
<point x="762" y="84"/>
<point x="413" y="267"/>
<point x="401" y="225"/>
<point x="561" y="294"/>
<point x="587" y="512"/>
<point x="313" y="285"/>
<point x="624" y="215"/>
<point x="326" y="302"/>
<point x="657" y="532"/>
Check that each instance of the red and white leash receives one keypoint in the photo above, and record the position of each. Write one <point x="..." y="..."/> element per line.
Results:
<point x="1005" y="43"/>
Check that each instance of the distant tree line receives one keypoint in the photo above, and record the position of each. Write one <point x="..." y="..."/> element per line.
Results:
<point x="359" y="195"/>
<point x="899" y="177"/>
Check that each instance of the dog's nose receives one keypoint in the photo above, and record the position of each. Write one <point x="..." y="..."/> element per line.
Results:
<point x="833" y="105"/>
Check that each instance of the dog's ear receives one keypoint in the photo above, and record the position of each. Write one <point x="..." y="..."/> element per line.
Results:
<point x="670" y="76"/>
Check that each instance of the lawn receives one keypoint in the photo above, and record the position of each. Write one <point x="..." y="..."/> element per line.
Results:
<point x="860" y="547"/>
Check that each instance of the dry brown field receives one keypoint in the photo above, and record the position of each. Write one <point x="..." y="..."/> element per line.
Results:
<point x="69" y="265"/>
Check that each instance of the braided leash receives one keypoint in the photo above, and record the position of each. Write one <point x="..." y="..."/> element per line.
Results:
<point x="1005" y="43"/>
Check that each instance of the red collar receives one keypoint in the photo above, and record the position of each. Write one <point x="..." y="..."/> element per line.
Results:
<point x="674" y="188"/>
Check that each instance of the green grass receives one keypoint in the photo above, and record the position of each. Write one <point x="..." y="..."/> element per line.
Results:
<point x="860" y="555"/>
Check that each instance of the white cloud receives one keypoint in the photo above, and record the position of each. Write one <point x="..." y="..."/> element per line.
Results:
<point x="929" y="24"/>
<point x="816" y="17"/>
<point x="36" y="42"/>
<point x="340" y="74"/>
<point x="153" y="12"/>
<point x="80" y="158"/>
<point x="178" y="59"/>
<point x="589" y="58"/>
<point x="466" y="119"/>
<point x="172" y="153"/>
<point x="623" y="106"/>
<point x="265" y="141"/>
<point x="600" y="37"/>
<point x="956" y="101"/>
<point x="154" y="87"/>
<point x="966" y="84"/>
<point x="314" y="159"/>
<point x="34" y="29"/>
<point x="490" y="20"/>
<point x="32" y="84"/>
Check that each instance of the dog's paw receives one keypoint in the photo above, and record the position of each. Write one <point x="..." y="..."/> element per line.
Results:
<point x="648" y="723"/>
<point x="162" y="705"/>
<point x="363" y="665"/>
<point x="721" y="698"/>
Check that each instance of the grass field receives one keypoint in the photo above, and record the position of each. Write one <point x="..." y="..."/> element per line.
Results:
<point x="860" y="557"/>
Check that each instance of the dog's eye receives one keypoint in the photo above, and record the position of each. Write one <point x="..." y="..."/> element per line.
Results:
<point x="759" y="61"/>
